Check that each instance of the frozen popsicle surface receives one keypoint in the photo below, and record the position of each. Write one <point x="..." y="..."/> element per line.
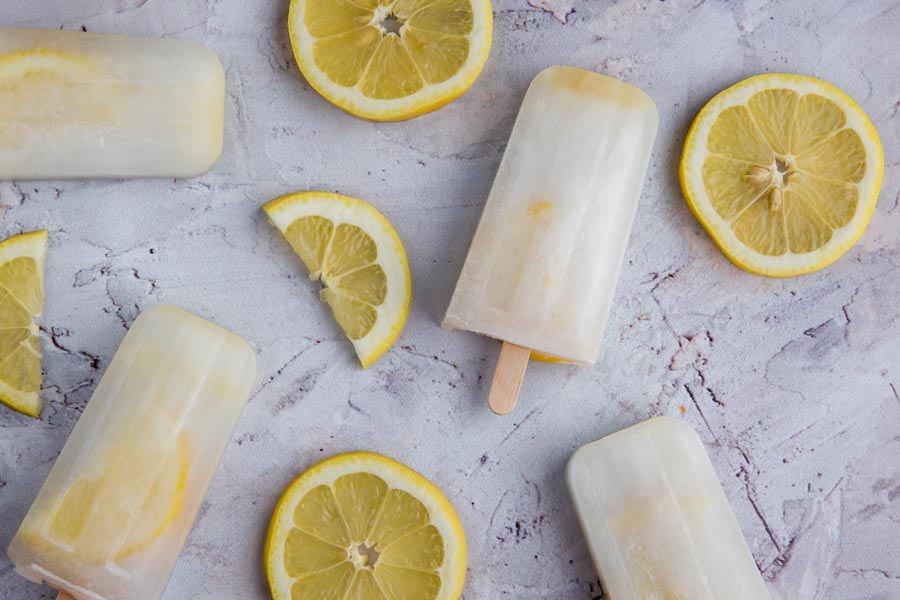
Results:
<point x="656" y="519"/>
<point x="89" y="105"/>
<point x="542" y="268"/>
<point x="113" y="515"/>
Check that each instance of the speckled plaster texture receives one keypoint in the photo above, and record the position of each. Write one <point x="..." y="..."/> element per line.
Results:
<point x="792" y="384"/>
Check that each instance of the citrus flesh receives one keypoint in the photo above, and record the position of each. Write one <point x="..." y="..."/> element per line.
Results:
<point x="30" y="84"/>
<point x="357" y="255"/>
<point x="125" y="501"/>
<point x="784" y="172"/>
<point x="21" y="300"/>
<point x="390" y="59"/>
<point x="362" y="526"/>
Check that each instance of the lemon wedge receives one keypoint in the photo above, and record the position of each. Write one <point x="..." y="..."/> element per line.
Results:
<point x="784" y="172"/>
<point x="30" y="93"/>
<point x="362" y="526"/>
<point x="127" y="501"/>
<point x="21" y="300"/>
<point x="389" y="60"/>
<point x="355" y="252"/>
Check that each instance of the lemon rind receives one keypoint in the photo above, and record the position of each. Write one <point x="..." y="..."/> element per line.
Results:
<point x="397" y="476"/>
<point x="429" y="98"/>
<point x="32" y="244"/>
<point x="789" y="264"/>
<point x="392" y="313"/>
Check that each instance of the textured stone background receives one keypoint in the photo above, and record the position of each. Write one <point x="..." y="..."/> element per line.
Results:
<point x="793" y="385"/>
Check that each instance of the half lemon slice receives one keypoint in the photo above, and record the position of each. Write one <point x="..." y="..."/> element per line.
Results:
<point x="47" y="88"/>
<point x="21" y="300"/>
<point x="784" y="172"/>
<point x="355" y="252"/>
<point x="132" y="496"/>
<point x="389" y="60"/>
<point x="366" y="527"/>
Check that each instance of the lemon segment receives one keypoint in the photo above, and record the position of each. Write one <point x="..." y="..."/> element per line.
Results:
<point x="389" y="60"/>
<point x="29" y="93"/>
<point x="784" y="172"/>
<point x="21" y="300"/>
<point x="362" y="526"/>
<point x="128" y="498"/>
<point x="355" y="252"/>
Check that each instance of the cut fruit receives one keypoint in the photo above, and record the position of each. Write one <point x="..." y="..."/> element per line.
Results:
<point x="389" y="60"/>
<point x="362" y="526"/>
<point x="784" y="172"/>
<point x="21" y="300"/>
<point x="130" y="497"/>
<point x="549" y="358"/>
<point x="30" y="92"/>
<point x="355" y="252"/>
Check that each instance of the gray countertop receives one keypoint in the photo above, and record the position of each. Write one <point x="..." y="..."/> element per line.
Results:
<point x="792" y="384"/>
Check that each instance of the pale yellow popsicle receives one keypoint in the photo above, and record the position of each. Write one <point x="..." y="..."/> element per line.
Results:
<point x="542" y="268"/>
<point x="113" y="515"/>
<point x="90" y="105"/>
<point x="656" y="519"/>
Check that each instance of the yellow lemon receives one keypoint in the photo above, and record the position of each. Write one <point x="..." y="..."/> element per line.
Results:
<point x="389" y="60"/>
<point x="21" y="300"/>
<point x="362" y="526"/>
<point x="130" y="492"/>
<point x="355" y="252"/>
<point x="30" y="97"/>
<point x="784" y="172"/>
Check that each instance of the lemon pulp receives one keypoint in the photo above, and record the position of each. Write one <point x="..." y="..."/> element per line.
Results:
<point x="365" y="527"/>
<point x="784" y="171"/>
<point x="47" y="89"/>
<point x="21" y="300"/>
<point x="356" y="253"/>
<point x="391" y="59"/>
<point x="125" y="503"/>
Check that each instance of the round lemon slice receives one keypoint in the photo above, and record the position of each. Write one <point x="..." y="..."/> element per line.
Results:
<point x="364" y="526"/>
<point x="784" y="172"/>
<point x="355" y="252"/>
<point x="21" y="300"/>
<point x="389" y="60"/>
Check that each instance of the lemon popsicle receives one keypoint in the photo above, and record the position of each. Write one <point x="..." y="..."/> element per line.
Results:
<point x="114" y="512"/>
<point x="657" y="520"/>
<point x="542" y="268"/>
<point x="90" y="105"/>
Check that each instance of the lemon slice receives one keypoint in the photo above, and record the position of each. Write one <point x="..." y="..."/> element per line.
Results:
<point x="47" y="88"/>
<point x="784" y="172"/>
<point x="21" y="300"/>
<point x="389" y="60"/>
<point x="17" y="68"/>
<point x="362" y="526"/>
<point x="549" y="358"/>
<point x="355" y="252"/>
<point x="130" y="496"/>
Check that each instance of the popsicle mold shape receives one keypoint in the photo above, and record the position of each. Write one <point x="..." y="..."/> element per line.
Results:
<point x="656" y="519"/>
<point x="117" y="506"/>
<point x="91" y="105"/>
<point x="542" y="268"/>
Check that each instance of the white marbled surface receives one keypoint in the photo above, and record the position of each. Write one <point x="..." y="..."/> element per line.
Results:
<point x="793" y="385"/>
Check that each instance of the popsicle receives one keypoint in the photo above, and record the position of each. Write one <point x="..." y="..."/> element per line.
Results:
<point x="657" y="522"/>
<point x="91" y="105"/>
<point x="113" y="515"/>
<point x="542" y="268"/>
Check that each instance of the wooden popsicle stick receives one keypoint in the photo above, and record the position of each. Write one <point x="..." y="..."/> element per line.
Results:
<point x="64" y="596"/>
<point x="508" y="378"/>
